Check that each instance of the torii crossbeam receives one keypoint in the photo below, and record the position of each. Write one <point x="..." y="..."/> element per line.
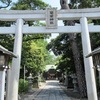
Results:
<point x="32" y="15"/>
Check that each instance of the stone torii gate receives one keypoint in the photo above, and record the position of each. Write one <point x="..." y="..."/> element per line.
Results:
<point x="32" y="15"/>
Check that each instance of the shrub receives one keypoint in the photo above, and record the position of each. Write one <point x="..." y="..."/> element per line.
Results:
<point x="23" y="86"/>
<point x="41" y="79"/>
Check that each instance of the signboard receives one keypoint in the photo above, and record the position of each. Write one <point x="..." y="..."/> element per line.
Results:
<point x="51" y="18"/>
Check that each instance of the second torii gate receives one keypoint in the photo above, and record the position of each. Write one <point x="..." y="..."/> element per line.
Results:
<point x="30" y="15"/>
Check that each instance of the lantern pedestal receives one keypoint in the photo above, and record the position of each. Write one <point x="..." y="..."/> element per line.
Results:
<point x="2" y="84"/>
<point x="4" y="59"/>
<point x="30" y="83"/>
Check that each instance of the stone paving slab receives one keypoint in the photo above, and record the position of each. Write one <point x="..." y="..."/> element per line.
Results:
<point x="50" y="91"/>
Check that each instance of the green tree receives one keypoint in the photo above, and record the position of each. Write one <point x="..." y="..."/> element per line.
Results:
<point x="72" y="43"/>
<point x="34" y="54"/>
<point x="29" y="5"/>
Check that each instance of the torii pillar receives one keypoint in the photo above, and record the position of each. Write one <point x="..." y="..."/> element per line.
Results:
<point x="12" y="91"/>
<point x="88" y="62"/>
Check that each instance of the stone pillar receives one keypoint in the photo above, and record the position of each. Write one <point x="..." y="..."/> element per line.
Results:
<point x="12" y="93"/>
<point x="2" y="84"/>
<point x="88" y="62"/>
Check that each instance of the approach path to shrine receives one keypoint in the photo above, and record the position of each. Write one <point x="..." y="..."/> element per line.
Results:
<point x="52" y="91"/>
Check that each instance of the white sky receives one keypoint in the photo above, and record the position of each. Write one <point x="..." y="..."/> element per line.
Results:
<point x="53" y="3"/>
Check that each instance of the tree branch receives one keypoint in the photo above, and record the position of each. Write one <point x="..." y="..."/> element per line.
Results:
<point x="5" y="2"/>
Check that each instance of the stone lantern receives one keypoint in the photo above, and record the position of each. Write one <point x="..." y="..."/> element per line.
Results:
<point x="96" y="59"/>
<point x="4" y="59"/>
<point x="96" y="56"/>
<point x="75" y="82"/>
<point x="30" y="78"/>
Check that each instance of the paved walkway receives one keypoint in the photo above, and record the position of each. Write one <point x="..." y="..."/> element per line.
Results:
<point x="50" y="91"/>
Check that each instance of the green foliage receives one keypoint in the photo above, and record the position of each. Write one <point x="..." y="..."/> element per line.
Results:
<point x="7" y="41"/>
<point x="29" y="5"/>
<point x="95" y="40"/>
<point x="34" y="55"/>
<point x="84" y="3"/>
<point x="65" y="63"/>
<point x="41" y="79"/>
<point x="23" y="86"/>
<point x="61" y="46"/>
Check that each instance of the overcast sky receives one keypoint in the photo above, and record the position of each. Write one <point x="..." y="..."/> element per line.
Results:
<point x="53" y="3"/>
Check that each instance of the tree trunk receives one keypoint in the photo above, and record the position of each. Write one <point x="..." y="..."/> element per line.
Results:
<point x="76" y="54"/>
